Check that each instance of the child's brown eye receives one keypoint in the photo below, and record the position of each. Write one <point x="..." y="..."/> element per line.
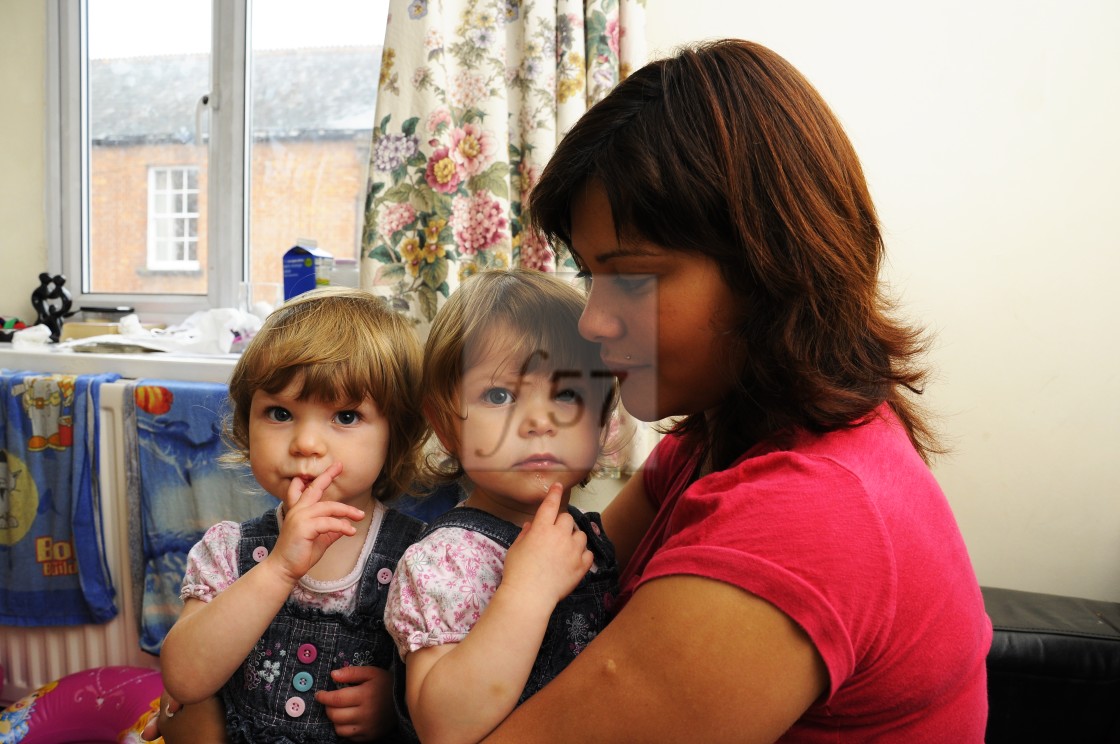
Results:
<point x="276" y="413"/>
<point x="348" y="418"/>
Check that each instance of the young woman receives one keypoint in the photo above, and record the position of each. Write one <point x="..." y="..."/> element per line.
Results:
<point x="791" y="569"/>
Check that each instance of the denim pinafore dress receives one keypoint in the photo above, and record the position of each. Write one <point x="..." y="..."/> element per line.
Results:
<point x="575" y="621"/>
<point x="271" y="697"/>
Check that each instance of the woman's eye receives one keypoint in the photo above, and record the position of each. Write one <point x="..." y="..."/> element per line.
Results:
<point x="632" y="283"/>
<point x="583" y="278"/>
<point x="348" y="418"/>
<point x="497" y="397"/>
<point x="276" y="413"/>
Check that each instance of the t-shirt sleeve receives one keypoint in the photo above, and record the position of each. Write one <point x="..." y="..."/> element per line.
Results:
<point x="212" y="563"/>
<point x="798" y="531"/>
<point x="667" y="469"/>
<point x="440" y="588"/>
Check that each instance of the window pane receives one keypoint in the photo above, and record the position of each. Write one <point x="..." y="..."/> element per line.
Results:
<point x="314" y="86"/>
<point x="146" y="75"/>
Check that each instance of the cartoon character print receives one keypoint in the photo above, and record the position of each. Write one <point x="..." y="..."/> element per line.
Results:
<point x="134" y="733"/>
<point x="48" y="401"/>
<point x="14" y="720"/>
<point x="8" y="481"/>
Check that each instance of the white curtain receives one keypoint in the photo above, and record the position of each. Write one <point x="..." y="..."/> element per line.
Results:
<point x="473" y="97"/>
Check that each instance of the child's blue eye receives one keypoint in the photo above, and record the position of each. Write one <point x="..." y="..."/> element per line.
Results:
<point x="276" y="413"/>
<point x="497" y="396"/>
<point x="348" y="418"/>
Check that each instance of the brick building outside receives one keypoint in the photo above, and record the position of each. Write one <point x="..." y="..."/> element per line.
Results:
<point x="312" y="114"/>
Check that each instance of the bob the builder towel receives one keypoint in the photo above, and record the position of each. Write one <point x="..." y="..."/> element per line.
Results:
<point x="52" y="559"/>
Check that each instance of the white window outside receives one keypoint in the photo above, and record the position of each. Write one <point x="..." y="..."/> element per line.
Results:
<point x="173" y="219"/>
<point x="185" y="158"/>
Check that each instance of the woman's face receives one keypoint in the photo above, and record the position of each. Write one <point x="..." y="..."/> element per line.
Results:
<point x="662" y="317"/>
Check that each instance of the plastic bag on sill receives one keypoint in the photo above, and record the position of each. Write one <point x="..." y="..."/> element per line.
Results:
<point x="222" y="330"/>
<point x="32" y="337"/>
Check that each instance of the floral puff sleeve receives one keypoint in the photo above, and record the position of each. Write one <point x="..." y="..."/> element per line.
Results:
<point x="442" y="585"/>
<point x="212" y="563"/>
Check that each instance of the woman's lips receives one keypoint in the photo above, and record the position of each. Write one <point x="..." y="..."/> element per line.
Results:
<point x="619" y="368"/>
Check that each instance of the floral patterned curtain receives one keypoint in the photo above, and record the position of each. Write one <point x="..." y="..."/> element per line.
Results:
<point x="473" y="97"/>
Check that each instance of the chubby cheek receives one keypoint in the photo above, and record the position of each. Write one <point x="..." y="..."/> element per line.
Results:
<point x="480" y="443"/>
<point x="268" y="478"/>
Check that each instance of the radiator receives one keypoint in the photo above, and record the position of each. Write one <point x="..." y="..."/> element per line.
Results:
<point x="32" y="657"/>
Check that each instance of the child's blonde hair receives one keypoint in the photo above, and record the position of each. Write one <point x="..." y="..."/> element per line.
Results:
<point x="341" y="345"/>
<point x="540" y="312"/>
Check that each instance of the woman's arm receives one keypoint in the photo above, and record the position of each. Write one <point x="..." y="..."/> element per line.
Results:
<point x="687" y="659"/>
<point x="458" y="692"/>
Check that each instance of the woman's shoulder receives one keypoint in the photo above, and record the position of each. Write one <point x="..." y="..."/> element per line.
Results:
<point x="871" y="443"/>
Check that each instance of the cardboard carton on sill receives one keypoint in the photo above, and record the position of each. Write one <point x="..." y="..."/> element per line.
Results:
<point x="87" y="328"/>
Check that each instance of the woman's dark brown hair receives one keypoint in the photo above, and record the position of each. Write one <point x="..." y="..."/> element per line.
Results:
<point x="726" y="150"/>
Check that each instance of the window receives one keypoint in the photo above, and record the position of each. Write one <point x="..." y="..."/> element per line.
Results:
<point x="191" y="155"/>
<point x="173" y="219"/>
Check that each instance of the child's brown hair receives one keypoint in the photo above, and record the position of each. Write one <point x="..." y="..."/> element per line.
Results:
<point x="340" y="345"/>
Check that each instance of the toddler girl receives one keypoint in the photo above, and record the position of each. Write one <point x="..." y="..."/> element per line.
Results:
<point x="283" y="612"/>
<point x="518" y="401"/>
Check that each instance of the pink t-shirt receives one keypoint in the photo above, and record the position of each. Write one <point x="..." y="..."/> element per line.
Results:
<point x="212" y="567"/>
<point x="440" y="588"/>
<point x="849" y="534"/>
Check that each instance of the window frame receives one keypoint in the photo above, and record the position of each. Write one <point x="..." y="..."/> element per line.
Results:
<point x="228" y="151"/>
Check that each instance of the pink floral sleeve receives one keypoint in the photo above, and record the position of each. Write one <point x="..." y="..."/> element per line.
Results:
<point x="442" y="585"/>
<point x="212" y="563"/>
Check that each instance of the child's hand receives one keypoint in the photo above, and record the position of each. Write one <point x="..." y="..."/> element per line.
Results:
<point x="364" y="710"/>
<point x="550" y="556"/>
<point x="311" y="525"/>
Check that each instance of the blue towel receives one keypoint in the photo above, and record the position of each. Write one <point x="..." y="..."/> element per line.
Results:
<point x="179" y="489"/>
<point x="52" y="559"/>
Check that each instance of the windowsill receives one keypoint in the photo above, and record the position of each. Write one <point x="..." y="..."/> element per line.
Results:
<point x="154" y="365"/>
<point x="186" y="273"/>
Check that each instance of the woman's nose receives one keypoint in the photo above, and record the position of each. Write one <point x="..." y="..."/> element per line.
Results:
<point x="598" y="322"/>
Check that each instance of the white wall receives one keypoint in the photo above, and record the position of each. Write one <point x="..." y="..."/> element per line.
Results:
<point x="23" y="215"/>
<point x="988" y="132"/>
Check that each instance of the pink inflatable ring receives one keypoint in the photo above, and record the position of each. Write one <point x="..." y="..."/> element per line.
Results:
<point x="103" y="704"/>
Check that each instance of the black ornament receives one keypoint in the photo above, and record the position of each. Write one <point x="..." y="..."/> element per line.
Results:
<point x="52" y="303"/>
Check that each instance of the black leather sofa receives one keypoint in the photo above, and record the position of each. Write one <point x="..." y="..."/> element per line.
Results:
<point x="1053" y="669"/>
